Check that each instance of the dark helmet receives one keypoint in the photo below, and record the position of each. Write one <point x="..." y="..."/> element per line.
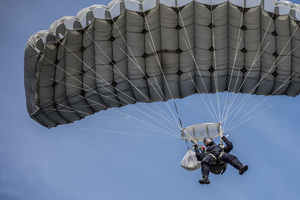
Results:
<point x="209" y="141"/>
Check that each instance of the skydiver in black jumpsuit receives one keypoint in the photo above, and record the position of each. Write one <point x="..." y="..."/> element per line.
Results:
<point x="213" y="151"/>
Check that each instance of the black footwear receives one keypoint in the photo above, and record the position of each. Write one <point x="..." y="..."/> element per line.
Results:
<point x="243" y="169"/>
<point x="204" y="180"/>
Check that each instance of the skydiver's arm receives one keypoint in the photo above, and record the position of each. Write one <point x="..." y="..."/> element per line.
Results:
<point x="229" y="145"/>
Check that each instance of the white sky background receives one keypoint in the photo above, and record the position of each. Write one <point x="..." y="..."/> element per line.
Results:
<point x="67" y="163"/>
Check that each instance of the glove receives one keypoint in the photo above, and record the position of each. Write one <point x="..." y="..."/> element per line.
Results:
<point x="195" y="146"/>
<point x="202" y="148"/>
<point x="224" y="139"/>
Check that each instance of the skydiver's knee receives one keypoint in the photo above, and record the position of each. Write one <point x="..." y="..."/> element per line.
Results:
<point x="204" y="163"/>
<point x="226" y="157"/>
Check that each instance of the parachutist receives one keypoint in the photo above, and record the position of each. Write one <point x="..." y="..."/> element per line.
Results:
<point x="214" y="154"/>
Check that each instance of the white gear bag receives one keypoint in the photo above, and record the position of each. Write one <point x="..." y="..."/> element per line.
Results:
<point x="190" y="161"/>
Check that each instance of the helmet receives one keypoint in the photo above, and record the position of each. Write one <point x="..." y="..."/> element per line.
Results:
<point x="208" y="141"/>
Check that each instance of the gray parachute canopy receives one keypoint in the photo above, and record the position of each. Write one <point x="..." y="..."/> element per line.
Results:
<point x="154" y="50"/>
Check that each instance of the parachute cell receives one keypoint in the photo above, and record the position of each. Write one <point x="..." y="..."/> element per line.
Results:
<point x="146" y="51"/>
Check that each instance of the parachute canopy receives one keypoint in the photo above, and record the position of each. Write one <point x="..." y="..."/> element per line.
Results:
<point x="200" y="131"/>
<point x="154" y="50"/>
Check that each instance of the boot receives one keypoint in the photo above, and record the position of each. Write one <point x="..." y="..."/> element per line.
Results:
<point x="243" y="169"/>
<point x="204" y="180"/>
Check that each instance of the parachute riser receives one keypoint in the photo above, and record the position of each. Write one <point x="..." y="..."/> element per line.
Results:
<point x="191" y="138"/>
<point x="221" y="135"/>
<point x="182" y="128"/>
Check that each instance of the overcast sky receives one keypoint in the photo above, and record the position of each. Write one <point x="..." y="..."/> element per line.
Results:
<point x="81" y="161"/>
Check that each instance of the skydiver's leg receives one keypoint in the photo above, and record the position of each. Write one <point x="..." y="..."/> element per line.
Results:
<point x="204" y="169"/>
<point x="234" y="161"/>
<point x="205" y="163"/>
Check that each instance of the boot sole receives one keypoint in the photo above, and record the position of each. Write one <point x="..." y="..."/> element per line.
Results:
<point x="244" y="170"/>
<point x="203" y="182"/>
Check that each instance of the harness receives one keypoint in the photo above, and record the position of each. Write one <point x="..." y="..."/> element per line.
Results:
<point x="217" y="159"/>
<point x="218" y="162"/>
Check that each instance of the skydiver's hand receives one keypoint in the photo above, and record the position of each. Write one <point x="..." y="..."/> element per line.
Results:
<point x="202" y="148"/>
<point x="195" y="146"/>
<point x="224" y="139"/>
